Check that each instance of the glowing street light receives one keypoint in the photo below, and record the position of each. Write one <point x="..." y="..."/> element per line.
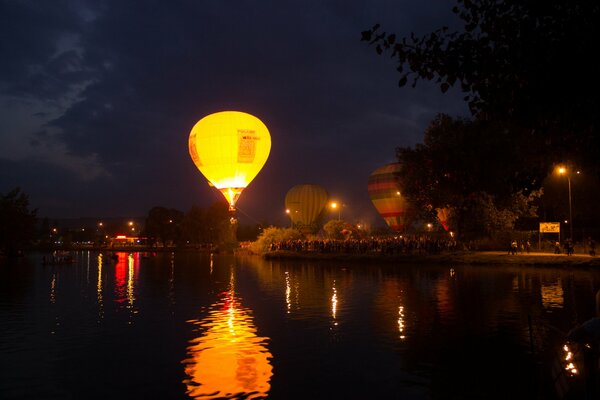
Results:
<point x="563" y="171"/>
<point x="337" y="206"/>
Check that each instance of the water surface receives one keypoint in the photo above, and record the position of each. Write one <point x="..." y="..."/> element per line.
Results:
<point x="188" y="325"/>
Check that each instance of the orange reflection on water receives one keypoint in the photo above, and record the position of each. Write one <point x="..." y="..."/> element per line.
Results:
<point x="99" y="289"/>
<point x="552" y="294"/>
<point x="130" y="279"/>
<point x="229" y="360"/>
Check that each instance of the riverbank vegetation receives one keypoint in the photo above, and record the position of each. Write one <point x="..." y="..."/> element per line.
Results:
<point x="17" y="222"/>
<point x="522" y="71"/>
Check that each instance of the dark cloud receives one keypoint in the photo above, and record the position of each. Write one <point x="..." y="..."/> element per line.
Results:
<point x="147" y="71"/>
<point x="31" y="37"/>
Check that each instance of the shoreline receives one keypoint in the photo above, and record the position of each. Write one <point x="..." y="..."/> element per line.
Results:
<point x="577" y="260"/>
<point x="466" y="257"/>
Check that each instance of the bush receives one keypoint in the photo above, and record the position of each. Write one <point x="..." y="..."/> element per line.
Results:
<point x="272" y="235"/>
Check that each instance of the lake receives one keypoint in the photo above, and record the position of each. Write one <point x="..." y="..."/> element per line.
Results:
<point x="194" y="325"/>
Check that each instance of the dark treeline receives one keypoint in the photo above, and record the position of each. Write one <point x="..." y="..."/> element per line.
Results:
<point x="21" y="229"/>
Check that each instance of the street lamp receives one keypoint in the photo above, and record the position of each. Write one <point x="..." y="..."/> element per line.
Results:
<point x="335" y="206"/>
<point x="563" y="171"/>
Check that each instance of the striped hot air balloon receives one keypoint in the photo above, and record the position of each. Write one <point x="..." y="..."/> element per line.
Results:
<point x="443" y="213"/>
<point x="385" y="193"/>
<point x="306" y="206"/>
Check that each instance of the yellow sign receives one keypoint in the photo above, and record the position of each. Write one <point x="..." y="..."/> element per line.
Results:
<point x="549" y="227"/>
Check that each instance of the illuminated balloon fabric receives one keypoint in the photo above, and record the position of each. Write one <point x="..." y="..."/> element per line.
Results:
<point x="443" y="214"/>
<point x="385" y="193"/>
<point x="307" y="205"/>
<point x="230" y="148"/>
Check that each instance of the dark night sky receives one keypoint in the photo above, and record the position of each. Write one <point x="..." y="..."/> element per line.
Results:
<point x="97" y="99"/>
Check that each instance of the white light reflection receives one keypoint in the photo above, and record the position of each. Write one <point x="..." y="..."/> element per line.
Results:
<point x="569" y="361"/>
<point x="89" y="260"/>
<point x="334" y="304"/>
<point x="401" y="322"/>
<point x="53" y="288"/>
<point x="172" y="282"/>
<point x="288" y="291"/>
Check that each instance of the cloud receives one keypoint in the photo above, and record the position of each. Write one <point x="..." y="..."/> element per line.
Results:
<point x="116" y="86"/>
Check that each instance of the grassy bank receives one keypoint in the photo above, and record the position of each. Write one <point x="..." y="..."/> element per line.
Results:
<point x="475" y="257"/>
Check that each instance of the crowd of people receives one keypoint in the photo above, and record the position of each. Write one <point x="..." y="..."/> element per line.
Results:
<point x="388" y="245"/>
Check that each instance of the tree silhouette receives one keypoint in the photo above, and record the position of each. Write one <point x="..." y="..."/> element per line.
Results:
<point x="17" y="222"/>
<point x="526" y="63"/>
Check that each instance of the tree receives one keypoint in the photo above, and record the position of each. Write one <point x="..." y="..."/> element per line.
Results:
<point x="195" y="228"/>
<point x="222" y="228"/>
<point x="247" y="233"/>
<point x="272" y="235"/>
<point x="472" y="168"/>
<point x="524" y="63"/>
<point x="17" y="222"/>
<point x="338" y="229"/>
<point x="164" y="224"/>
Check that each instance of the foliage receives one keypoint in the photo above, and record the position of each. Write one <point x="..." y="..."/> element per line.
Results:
<point x="218" y="219"/>
<point x="246" y="233"/>
<point x="164" y="224"/>
<point x="272" y="235"/>
<point x="339" y="230"/>
<point x="473" y="168"/>
<point x="480" y="215"/>
<point x="526" y="64"/>
<point x="17" y="222"/>
<point x="211" y="225"/>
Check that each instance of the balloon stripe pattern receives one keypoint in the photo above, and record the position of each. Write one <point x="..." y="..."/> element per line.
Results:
<point x="443" y="214"/>
<point x="385" y="193"/>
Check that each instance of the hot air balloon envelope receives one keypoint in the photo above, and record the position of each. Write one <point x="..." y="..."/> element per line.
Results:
<point x="306" y="206"/>
<point x="443" y="214"/>
<point x="230" y="148"/>
<point x="385" y="193"/>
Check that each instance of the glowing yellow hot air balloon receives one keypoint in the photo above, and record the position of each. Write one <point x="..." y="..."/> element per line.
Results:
<point x="230" y="148"/>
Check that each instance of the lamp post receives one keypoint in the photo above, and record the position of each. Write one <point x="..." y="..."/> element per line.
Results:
<point x="335" y="206"/>
<point x="563" y="171"/>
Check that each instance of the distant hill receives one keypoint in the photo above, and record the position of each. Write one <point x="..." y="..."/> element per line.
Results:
<point x="89" y="222"/>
